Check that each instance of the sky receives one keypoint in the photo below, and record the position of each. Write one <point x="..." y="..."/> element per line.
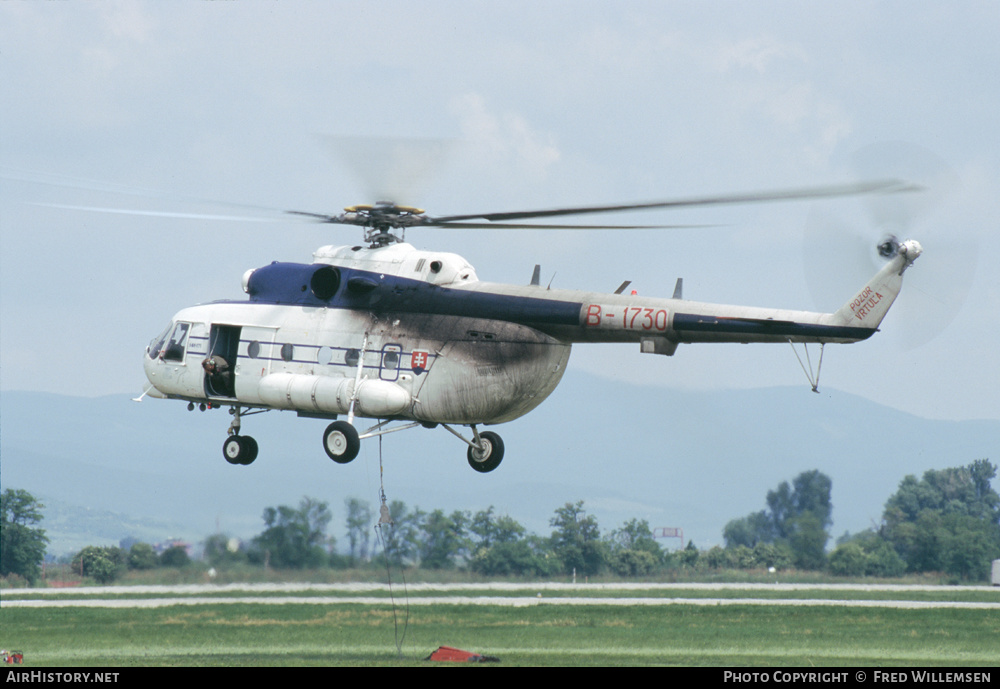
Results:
<point x="208" y="107"/>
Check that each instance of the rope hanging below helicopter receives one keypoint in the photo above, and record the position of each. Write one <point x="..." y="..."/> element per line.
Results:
<point x="385" y="520"/>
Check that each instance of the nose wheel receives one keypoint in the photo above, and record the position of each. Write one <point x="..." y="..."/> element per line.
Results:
<point x="240" y="449"/>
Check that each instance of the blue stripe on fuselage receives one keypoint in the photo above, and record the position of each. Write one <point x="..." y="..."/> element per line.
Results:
<point x="694" y="323"/>
<point x="289" y="283"/>
<point x="360" y="290"/>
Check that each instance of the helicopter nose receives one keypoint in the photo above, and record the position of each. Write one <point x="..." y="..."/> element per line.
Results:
<point x="149" y="367"/>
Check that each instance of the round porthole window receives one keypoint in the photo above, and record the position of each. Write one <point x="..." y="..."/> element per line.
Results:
<point x="351" y="357"/>
<point x="287" y="350"/>
<point x="253" y="349"/>
<point x="324" y="356"/>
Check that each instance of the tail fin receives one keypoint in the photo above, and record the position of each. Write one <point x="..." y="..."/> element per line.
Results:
<point x="868" y="307"/>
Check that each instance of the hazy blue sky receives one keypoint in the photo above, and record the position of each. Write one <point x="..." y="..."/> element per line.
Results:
<point x="556" y="102"/>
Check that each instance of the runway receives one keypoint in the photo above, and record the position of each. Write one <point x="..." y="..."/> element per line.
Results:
<point x="507" y="594"/>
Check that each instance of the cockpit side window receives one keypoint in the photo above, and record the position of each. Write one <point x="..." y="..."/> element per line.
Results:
<point x="177" y="344"/>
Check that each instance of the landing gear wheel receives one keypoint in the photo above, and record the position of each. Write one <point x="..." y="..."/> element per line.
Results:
<point x="487" y="457"/>
<point x="251" y="449"/>
<point x="240" y="449"/>
<point x="341" y="442"/>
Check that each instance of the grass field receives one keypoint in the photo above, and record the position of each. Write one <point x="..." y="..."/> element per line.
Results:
<point x="635" y="626"/>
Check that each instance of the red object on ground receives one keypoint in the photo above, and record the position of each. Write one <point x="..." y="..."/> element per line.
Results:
<point x="456" y="655"/>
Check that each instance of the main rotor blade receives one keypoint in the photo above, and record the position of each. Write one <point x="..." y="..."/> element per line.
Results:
<point x="881" y="186"/>
<point x="156" y="214"/>
<point x="320" y="217"/>
<point x="528" y="226"/>
<point x="68" y="182"/>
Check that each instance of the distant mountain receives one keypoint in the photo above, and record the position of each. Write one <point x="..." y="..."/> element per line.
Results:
<point x="110" y="468"/>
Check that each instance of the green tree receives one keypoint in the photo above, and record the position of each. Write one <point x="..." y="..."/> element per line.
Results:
<point x="809" y="493"/>
<point x="879" y="558"/>
<point x="401" y="537"/>
<point x="22" y="544"/>
<point x="749" y="531"/>
<point x="294" y="538"/>
<point x="491" y="529"/>
<point x="221" y="550"/>
<point x="718" y="558"/>
<point x="848" y="559"/>
<point x="576" y="540"/>
<point x="175" y="556"/>
<point x="141" y="556"/>
<point x="632" y="550"/>
<point x="807" y="539"/>
<point x="359" y="528"/>
<point x="969" y="547"/>
<point x="948" y="521"/>
<point x="777" y="555"/>
<point x="797" y="517"/>
<point x="882" y="560"/>
<point x="502" y="547"/>
<point x="527" y="556"/>
<point x="689" y="556"/>
<point x="959" y="490"/>
<point x="103" y="563"/>
<point x="444" y="540"/>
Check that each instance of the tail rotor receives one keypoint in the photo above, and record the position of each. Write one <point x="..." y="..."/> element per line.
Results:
<point x="845" y="246"/>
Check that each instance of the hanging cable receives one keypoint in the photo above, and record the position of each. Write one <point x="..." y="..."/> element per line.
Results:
<point x="385" y="520"/>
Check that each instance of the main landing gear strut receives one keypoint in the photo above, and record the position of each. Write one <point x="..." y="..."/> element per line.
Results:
<point x="342" y="441"/>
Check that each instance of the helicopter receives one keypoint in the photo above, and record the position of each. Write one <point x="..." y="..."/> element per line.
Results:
<point x="411" y="338"/>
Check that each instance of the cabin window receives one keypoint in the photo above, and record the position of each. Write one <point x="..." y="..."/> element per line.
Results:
<point x="324" y="356"/>
<point x="351" y="357"/>
<point x="253" y="349"/>
<point x="287" y="350"/>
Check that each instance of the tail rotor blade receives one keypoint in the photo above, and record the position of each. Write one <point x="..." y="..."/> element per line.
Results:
<point x="839" y="249"/>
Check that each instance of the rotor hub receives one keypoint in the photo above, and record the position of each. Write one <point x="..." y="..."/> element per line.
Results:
<point x="380" y="219"/>
<point x="888" y="247"/>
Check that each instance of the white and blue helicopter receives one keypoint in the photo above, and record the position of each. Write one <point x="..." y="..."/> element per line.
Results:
<point x="408" y="338"/>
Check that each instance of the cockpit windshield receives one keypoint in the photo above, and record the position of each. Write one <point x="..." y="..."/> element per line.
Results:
<point x="153" y="350"/>
<point x="172" y="348"/>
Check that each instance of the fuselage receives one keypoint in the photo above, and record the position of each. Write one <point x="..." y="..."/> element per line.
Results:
<point x="396" y="332"/>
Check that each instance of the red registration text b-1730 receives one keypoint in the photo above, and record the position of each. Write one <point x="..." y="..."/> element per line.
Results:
<point x="626" y="318"/>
